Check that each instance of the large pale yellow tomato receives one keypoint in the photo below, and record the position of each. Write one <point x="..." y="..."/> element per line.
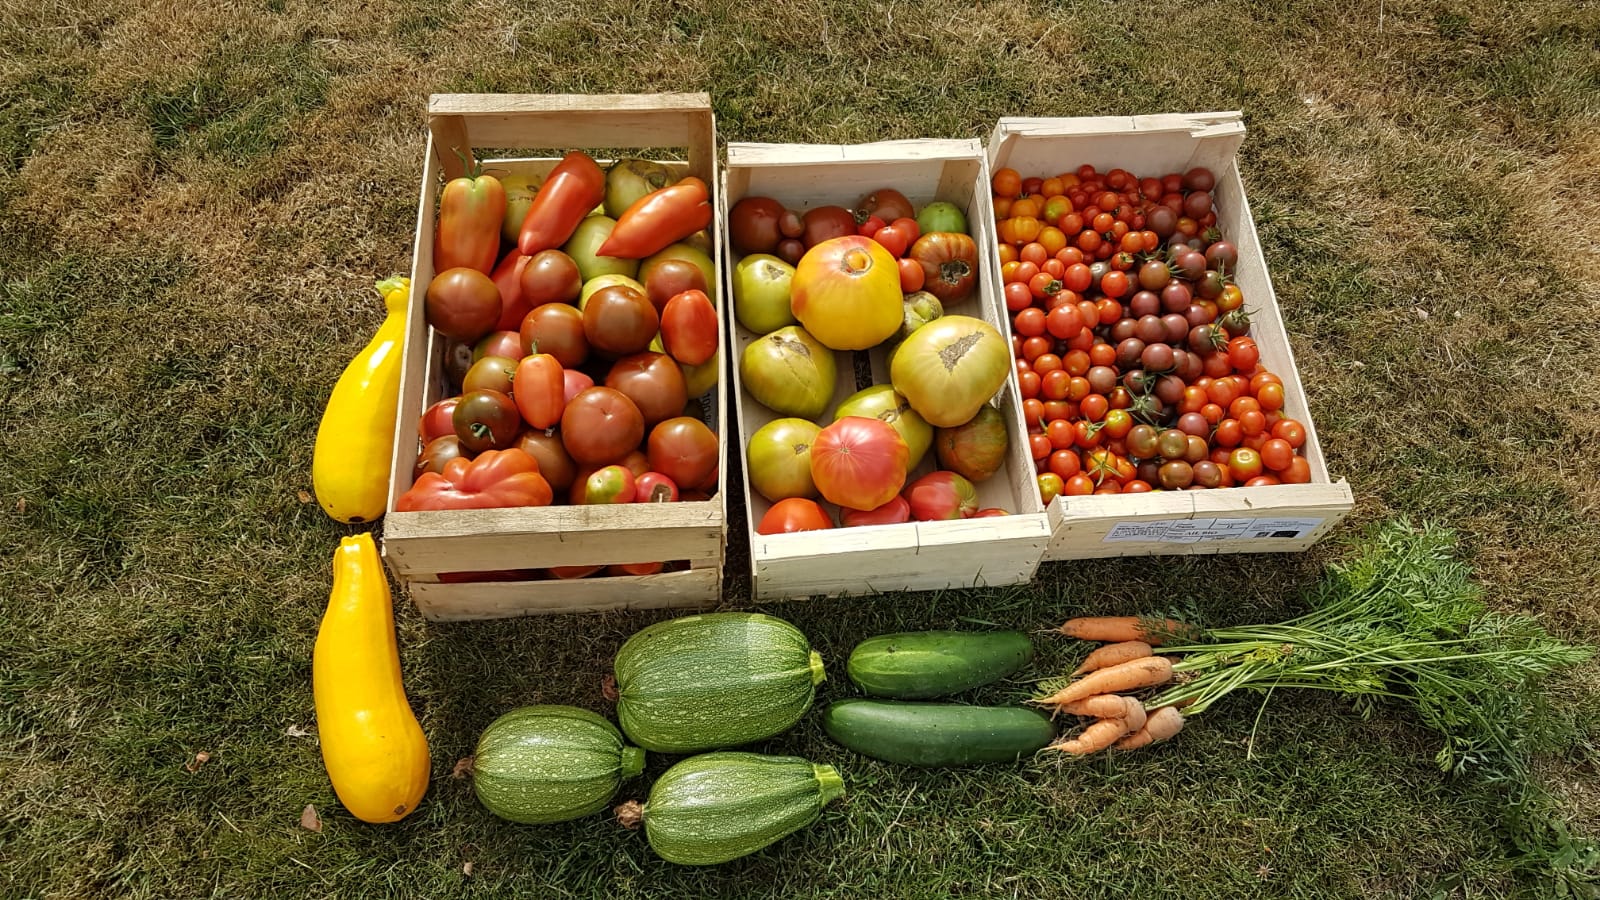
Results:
<point x="949" y="367"/>
<point x="846" y="292"/>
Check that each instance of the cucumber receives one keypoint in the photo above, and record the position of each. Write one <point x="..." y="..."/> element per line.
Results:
<point x="937" y="734"/>
<point x="920" y="665"/>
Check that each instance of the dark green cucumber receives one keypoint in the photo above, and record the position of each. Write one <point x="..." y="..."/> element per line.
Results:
<point x="937" y="734"/>
<point x="920" y="665"/>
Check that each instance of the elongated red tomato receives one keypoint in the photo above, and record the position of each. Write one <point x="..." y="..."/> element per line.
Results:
<point x="659" y="219"/>
<point x="540" y="389"/>
<point x="859" y="463"/>
<point x="508" y="278"/>
<point x="689" y="328"/>
<point x="470" y="213"/>
<point x="573" y="188"/>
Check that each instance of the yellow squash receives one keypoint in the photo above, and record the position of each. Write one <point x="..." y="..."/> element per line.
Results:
<point x="372" y="746"/>
<point x="350" y="465"/>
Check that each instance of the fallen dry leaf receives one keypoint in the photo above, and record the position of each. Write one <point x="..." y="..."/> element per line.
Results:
<point x="22" y="505"/>
<point x="295" y="731"/>
<point x="608" y="688"/>
<point x="463" y="767"/>
<point x="199" y="760"/>
<point x="302" y="496"/>
<point x="309" y="820"/>
<point x="466" y="869"/>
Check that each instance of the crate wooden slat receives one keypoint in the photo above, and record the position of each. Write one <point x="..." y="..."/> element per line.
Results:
<point x="419" y="546"/>
<point x="915" y="555"/>
<point x="1216" y="521"/>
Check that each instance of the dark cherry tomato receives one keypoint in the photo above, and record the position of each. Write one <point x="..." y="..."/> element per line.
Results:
<point x="486" y="420"/>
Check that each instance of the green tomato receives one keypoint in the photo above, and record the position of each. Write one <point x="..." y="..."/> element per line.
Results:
<point x="942" y="216"/>
<point x="612" y="484"/>
<point x="761" y="287"/>
<point x="520" y="191"/>
<point x="586" y="241"/>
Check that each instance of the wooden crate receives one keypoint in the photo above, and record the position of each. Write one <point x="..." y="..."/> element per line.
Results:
<point x="915" y="555"/>
<point x="419" y="546"/>
<point x="1278" y="518"/>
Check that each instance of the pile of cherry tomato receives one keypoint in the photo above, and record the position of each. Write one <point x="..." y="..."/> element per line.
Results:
<point x="1132" y="343"/>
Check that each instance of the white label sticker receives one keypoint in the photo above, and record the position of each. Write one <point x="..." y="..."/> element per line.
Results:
<point x="1193" y="531"/>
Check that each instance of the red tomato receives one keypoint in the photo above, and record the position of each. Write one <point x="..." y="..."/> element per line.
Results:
<point x="794" y="514"/>
<point x="1297" y="472"/>
<point x="1243" y="353"/>
<point x="689" y="328"/>
<point x="858" y="462"/>
<point x="1244" y="464"/>
<point x="1288" y="429"/>
<point x="912" y="278"/>
<point x="896" y="511"/>
<point x="1018" y="297"/>
<point x="436" y="421"/>
<point x="684" y="450"/>
<point x="942" y="495"/>
<point x="653" y="382"/>
<point x="654" y="487"/>
<point x="540" y="390"/>
<point x="1276" y="454"/>
<point x="556" y="329"/>
<point x="600" y="425"/>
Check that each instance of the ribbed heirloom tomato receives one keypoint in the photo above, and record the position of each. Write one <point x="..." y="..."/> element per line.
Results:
<point x="858" y="462"/>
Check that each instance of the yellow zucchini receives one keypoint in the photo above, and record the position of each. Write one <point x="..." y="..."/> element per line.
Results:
<point x="355" y="440"/>
<point x="372" y="745"/>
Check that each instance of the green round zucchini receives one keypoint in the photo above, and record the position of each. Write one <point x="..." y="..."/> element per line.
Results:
<point x="716" y="807"/>
<point x="921" y="665"/>
<point x="937" y="734"/>
<point x="543" y="764"/>
<point x="716" y="680"/>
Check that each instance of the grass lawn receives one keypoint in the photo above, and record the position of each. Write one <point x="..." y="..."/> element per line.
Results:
<point x="196" y="197"/>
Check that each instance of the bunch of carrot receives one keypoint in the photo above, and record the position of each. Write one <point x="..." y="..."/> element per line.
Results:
<point x="1126" y="663"/>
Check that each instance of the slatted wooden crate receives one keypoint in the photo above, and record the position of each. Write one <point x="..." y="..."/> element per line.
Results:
<point x="1271" y="519"/>
<point x="419" y="547"/>
<point x="915" y="555"/>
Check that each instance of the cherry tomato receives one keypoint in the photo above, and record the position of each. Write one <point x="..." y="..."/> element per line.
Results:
<point x="1039" y="446"/>
<point x="1243" y="353"/>
<point x="1292" y="432"/>
<point x="1276" y="454"/>
<point x="1064" y="321"/>
<point x="1064" y="463"/>
<point x="1030" y="322"/>
<point x="1117" y="424"/>
<point x="1051" y="486"/>
<point x="1029" y="383"/>
<point x="1094" y="407"/>
<point x="1045" y="363"/>
<point x="1297" y="472"/>
<point x="1006" y="182"/>
<point x="1061" y="434"/>
<point x="1270" y="396"/>
<point x="1244" y="463"/>
<point x="1018" y="297"/>
<point x="1055" y="384"/>
<point x="1079" y="485"/>
<point x="1228" y="433"/>
<point x="912" y="277"/>
<point x="1114" y="284"/>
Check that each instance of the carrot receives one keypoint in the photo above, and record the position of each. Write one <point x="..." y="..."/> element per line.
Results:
<point x="1113" y="654"/>
<point x="1151" y="670"/>
<point x="1116" y="629"/>
<point x="1098" y="736"/>
<point x="1135" y="716"/>
<point x="1163" y="724"/>
<point x="1100" y="706"/>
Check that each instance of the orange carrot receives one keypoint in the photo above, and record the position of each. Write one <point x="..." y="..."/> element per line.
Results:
<point x="1116" y="629"/>
<point x="1163" y="724"/>
<point x="1113" y="654"/>
<point x="1151" y="670"/>
<point x="1100" y="706"/>
<point x="1098" y="736"/>
<point x="1135" y="716"/>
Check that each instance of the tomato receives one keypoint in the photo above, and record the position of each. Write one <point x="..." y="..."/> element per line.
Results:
<point x="1062" y="434"/>
<point x="610" y="484"/>
<point x="1018" y="296"/>
<point x="1114" y="284"/>
<point x="550" y="276"/>
<point x="887" y="204"/>
<point x="540" y="392"/>
<point x="667" y="278"/>
<point x="438" y="453"/>
<point x="620" y="320"/>
<point x="846" y="293"/>
<point x="1028" y="383"/>
<point x="1228" y="433"/>
<point x="1038" y="446"/>
<point x="436" y="421"/>
<point x="826" y="222"/>
<point x="1006" y="182"/>
<point x="486" y="420"/>
<point x="1065" y="463"/>
<point x="1029" y="322"/>
<point x="912" y="278"/>
<point x="574" y="383"/>
<point x="689" y="328"/>
<point x="1243" y="353"/>
<point x="471" y="211"/>
<point x="685" y="450"/>
<point x="1094" y="407"/>
<point x="1297" y="472"/>
<point x="1288" y="429"/>
<point x="894" y="240"/>
<point x="653" y="382"/>
<point x="942" y="495"/>
<point x="1042" y="286"/>
<point x="554" y="462"/>
<point x="949" y="264"/>
<point x="976" y="449"/>
<point x="794" y="514"/>
<point x="753" y="225"/>
<point x="895" y="512"/>
<point x="859" y="462"/>
<point x="570" y="192"/>
<point x="948" y="368"/>
<point x="1086" y="435"/>
<point x="778" y="459"/>
<point x="1270" y="396"/>
<point x="556" y="329"/>
<point x="1253" y="422"/>
<point x="1176" y="474"/>
<point x="1276" y="454"/>
<point x="600" y="426"/>
<point x="870" y="226"/>
<point x="462" y="303"/>
<point x="1079" y="485"/>
<point x="1052" y="486"/>
<point x="1244" y="464"/>
<point x="1263" y="481"/>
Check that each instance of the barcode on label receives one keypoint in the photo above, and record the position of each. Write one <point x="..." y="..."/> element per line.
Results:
<point x="1194" y="531"/>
